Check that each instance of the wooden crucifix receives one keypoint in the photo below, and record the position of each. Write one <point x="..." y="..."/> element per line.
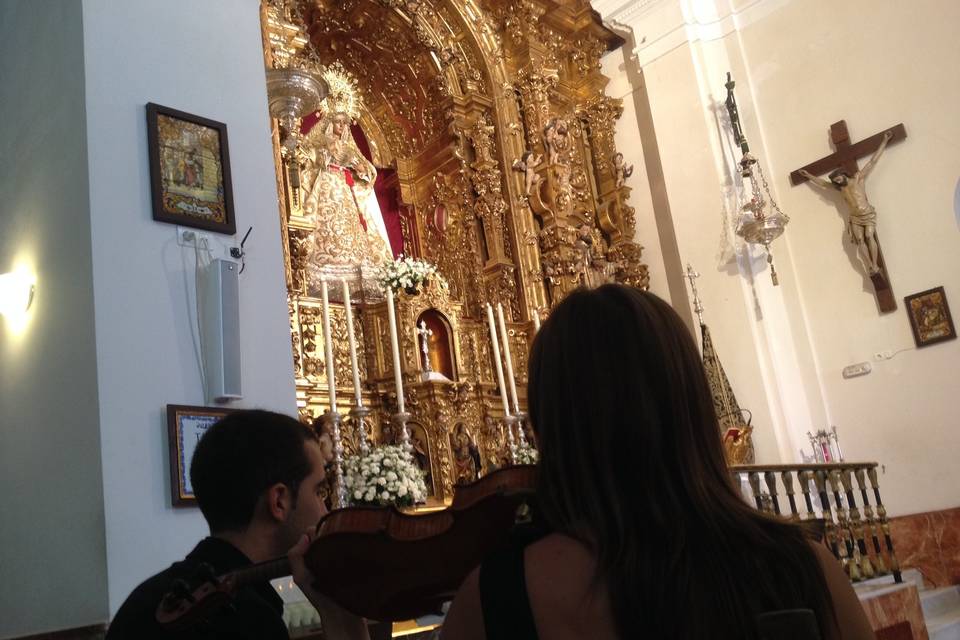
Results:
<point x="848" y="178"/>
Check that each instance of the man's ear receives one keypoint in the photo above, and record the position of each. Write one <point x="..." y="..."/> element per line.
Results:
<point x="279" y="502"/>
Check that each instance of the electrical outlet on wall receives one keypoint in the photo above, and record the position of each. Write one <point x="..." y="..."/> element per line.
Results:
<point x="880" y="356"/>
<point x="186" y="237"/>
<point x="858" y="369"/>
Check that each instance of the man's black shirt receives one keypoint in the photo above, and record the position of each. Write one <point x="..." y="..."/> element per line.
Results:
<point x="257" y="612"/>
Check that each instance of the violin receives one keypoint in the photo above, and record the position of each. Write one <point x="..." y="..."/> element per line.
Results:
<point x="380" y="563"/>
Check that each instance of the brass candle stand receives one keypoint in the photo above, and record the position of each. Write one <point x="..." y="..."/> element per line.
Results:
<point x="331" y="421"/>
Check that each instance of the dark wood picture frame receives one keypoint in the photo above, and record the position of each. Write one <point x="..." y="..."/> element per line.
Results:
<point x="930" y="317"/>
<point x="185" y="425"/>
<point x="190" y="171"/>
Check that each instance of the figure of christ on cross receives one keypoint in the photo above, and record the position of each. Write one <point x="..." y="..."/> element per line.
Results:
<point x="849" y="179"/>
<point x="862" y="223"/>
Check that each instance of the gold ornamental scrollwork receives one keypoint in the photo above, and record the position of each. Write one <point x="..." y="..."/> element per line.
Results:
<point x="453" y="93"/>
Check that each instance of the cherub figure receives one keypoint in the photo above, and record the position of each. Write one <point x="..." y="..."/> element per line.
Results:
<point x="556" y="139"/>
<point x="621" y="170"/>
<point x="527" y="165"/>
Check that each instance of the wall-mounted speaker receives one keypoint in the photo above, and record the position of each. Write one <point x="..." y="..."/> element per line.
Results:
<point x="219" y="302"/>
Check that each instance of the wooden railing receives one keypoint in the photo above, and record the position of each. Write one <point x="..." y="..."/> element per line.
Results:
<point x="828" y="492"/>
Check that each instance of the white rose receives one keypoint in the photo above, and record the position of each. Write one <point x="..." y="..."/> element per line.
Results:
<point x="385" y="495"/>
<point x="391" y="475"/>
<point x="357" y="495"/>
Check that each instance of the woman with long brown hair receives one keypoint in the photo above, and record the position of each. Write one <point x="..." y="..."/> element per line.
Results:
<point x="649" y="537"/>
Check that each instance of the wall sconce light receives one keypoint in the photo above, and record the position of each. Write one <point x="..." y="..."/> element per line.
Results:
<point x="16" y="292"/>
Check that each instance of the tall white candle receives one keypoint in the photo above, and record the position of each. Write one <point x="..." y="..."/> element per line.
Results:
<point x="353" y="343"/>
<point x="506" y="354"/>
<point x="536" y="321"/>
<point x="496" y="360"/>
<point x="328" y="345"/>
<point x="395" y="347"/>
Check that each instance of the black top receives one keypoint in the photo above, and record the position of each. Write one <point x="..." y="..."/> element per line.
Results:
<point x="503" y="588"/>
<point x="257" y="614"/>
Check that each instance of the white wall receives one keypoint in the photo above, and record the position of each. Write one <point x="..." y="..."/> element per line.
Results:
<point x="799" y="67"/>
<point x="204" y="58"/>
<point x="51" y="521"/>
<point x="874" y="65"/>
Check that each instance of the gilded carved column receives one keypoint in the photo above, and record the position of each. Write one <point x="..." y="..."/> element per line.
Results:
<point x="614" y="215"/>
<point x="534" y="87"/>
<point x="477" y="152"/>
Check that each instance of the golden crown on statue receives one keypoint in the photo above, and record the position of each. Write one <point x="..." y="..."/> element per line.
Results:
<point x="344" y="94"/>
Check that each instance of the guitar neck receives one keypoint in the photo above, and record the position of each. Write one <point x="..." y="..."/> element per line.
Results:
<point x="260" y="572"/>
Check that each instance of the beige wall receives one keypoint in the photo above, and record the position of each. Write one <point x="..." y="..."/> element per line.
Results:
<point x="799" y="67"/>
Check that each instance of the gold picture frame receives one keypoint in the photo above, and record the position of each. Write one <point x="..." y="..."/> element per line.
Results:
<point x="185" y="426"/>
<point x="930" y="317"/>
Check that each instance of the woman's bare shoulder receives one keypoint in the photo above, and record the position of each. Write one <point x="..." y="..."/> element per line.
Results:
<point x="566" y="598"/>
<point x="464" y="620"/>
<point x="852" y="623"/>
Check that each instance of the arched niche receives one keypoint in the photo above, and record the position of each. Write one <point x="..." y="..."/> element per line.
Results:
<point x="440" y="344"/>
<point x="423" y="455"/>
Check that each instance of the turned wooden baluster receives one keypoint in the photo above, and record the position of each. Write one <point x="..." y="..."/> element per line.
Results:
<point x="820" y="479"/>
<point x="884" y="524"/>
<point x="754" y="479"/>
<point x="843" y="520"/>
<point x="771" y="479"/>
<point x="805" y="478"/>
<point x="856" y="523"/>
<point x="787" y="478"/>
<point x="873" y="525"/>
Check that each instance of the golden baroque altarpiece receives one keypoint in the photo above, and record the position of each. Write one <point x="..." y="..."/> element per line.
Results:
<point x="494" y="116"/>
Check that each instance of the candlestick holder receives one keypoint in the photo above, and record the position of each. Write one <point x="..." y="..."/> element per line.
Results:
<point x="836" y="440"/>
<point x="508" y="422"/>
<point x="400" y="419"/>
<point x="331" y="422"/>
<point x="521" y="418"/>
<point x="358" y="414"/>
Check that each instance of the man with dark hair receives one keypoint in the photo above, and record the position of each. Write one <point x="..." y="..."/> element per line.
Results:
<point x="258" y="478"/>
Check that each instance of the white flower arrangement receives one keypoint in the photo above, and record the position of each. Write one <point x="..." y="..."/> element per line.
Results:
<point x="387" y="475"/>
<point x="406" y="273"/>
<point x="525" y="454"/>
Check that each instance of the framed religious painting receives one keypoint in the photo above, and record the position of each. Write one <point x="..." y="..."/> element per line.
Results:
<point x="189" y="170"/>
<point x="930" y="317"/>
<point x="185" y="426"/>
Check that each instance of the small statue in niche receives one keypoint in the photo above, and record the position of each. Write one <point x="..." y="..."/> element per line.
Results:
<point x="494" y="443"/>
<point x="556" y="138"/>
<point x="421" y="454"/>
<point x="594" y="268"/>
<point x="584" y="245"/>
<point x="466" y="456"/>
<point x="527" y="165"/>
<point x="862" y="223"/>
<point x="621" y="170"/>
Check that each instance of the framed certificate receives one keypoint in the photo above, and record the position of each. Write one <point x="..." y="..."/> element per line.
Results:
<point x="185" y="426"/>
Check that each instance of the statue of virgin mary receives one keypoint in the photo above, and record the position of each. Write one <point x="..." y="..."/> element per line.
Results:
<point x="349" y="239"/>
